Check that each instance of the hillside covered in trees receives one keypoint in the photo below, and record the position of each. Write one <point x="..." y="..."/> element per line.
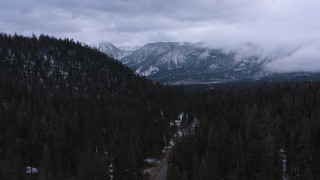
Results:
<point x="71" y="112"/>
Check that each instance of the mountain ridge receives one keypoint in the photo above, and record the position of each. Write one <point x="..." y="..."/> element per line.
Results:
<point x="193" y="63"/>
<point x="183" y="61"/>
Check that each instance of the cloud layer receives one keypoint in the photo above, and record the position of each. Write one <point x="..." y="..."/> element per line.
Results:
<point x="285" y="31"/>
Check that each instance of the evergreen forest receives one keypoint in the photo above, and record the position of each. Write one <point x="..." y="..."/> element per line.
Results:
<point x="74" y="113"/>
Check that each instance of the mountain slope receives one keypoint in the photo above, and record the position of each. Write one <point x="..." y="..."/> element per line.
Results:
<point x="72" y="112"/>
<point x="190" y="63"/>
<point x="116" y="52"/>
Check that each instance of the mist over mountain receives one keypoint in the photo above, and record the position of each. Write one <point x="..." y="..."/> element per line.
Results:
<point x="184" y="62"/>
<point x="283" y="30"/>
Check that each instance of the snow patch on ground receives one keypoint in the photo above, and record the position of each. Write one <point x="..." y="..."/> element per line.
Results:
<point x="138" y="70"/>
<point x="65" y="74"/>
<point x="239" y="69"/>
<point x="31" y="170"/>
<point x="149" y="71"/>
<point x="175" y="58"/>
<point x="147" y="171"/>
<point x="151" y="160"/>
<point x="178" y="121"/>
<point x="284" y="163"/>
<point x="204" y="55"/>
<point x="110" y="171"/>
<point x="213" y="67"/>
<point x="50" y="73"/>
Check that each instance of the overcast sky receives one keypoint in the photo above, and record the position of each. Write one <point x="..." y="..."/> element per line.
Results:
<point x="286" y="30"/>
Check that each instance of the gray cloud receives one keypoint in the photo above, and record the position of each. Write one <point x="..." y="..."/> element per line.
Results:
<point x="305" y="58"/>
<point x="284" y="31"/>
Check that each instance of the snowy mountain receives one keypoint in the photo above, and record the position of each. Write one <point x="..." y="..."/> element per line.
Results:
<point x="182" y="62"/>
<point x="190" y="63"/>
<point x="116" y="52"/>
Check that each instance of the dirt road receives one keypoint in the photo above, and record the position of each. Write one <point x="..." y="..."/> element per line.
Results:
<point x="162" y="175"/>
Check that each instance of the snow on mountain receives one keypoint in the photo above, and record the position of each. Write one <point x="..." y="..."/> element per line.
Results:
<point x="146" y="52"/>
<point x="116" y="52"/>
<point x="165" y="53"/>
<point x="109" y="49"/>
<point x="147" y="72"/>
<point x="205" y="54"/>
<point x="177" y="62"/>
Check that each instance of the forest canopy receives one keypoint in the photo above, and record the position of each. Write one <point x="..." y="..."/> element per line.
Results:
<point x="72" y="112"/>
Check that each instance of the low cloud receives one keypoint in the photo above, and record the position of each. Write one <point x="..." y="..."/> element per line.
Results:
<point x="285" y="32"/>
<point x="304" y="59"/>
